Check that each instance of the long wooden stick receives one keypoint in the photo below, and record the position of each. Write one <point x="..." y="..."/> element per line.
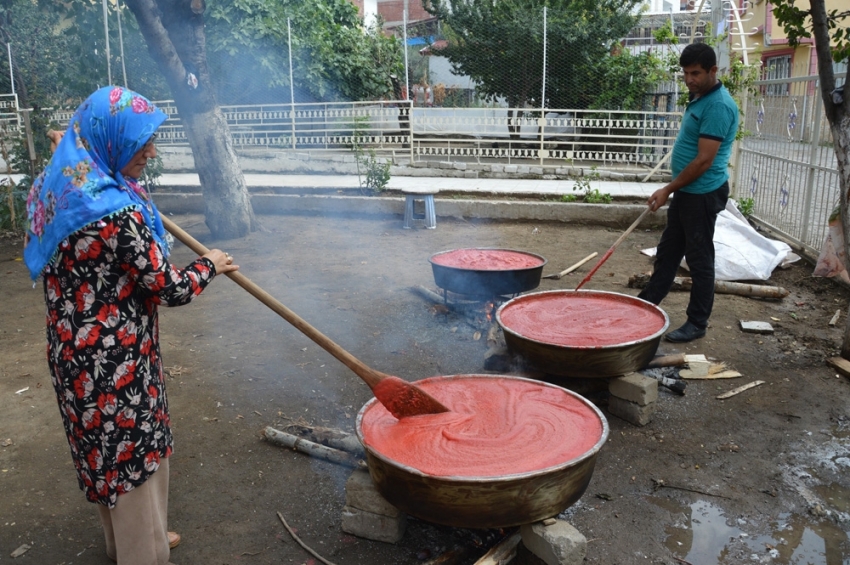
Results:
<point x="301" y="543"/>
<point x="571" y="268"/>
<point x="613" y="247"/>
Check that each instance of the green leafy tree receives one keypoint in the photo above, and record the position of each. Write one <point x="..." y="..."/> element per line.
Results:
<point x="831" y="33"/>
<point x="500" y="46"/>
<point x="334" y="57"/>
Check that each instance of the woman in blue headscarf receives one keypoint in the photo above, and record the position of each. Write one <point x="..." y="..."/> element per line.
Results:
<point x="97" y="240"/>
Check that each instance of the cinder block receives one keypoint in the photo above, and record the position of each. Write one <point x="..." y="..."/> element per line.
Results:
<point x="557" y="544"/>
<point x="631" y="412"/>
<point x="361" y="493"/>
<point x="634" y="387"/>
<point x="372" y="526"/>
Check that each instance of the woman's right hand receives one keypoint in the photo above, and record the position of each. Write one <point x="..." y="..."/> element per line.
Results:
<point x="223" y="262"/>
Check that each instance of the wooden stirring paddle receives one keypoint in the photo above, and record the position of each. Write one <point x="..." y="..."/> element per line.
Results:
<point x="613" y="247"/>
<point x="401" y="398"/>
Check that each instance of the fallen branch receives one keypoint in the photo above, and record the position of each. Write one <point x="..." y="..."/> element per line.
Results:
<point x="301" y="543"/>
<point x="329" y="437"/>
<point x="284" y="439"/>
<point x="661" y="484"/>
<point x="720" y="287"/>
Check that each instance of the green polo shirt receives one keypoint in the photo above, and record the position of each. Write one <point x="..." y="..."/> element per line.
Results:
<point x="713" y="115"/>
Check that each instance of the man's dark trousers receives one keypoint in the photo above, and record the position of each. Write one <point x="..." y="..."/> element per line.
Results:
<point x="689" y="234"/>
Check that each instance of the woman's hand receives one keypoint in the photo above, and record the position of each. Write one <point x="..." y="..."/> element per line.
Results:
<point x="55" y="137"/>
<point x="223" y="262"/>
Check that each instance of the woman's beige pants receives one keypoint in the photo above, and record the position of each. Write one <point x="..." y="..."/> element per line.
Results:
<point x="136" y="529"/>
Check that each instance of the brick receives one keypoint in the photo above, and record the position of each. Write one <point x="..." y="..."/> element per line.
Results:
<point x="634" y="387"/>
<point x="362" y="494"/>
<point x="556" y="544"/>
<point x="372" y="526"/>
<point x="631" y="412"/>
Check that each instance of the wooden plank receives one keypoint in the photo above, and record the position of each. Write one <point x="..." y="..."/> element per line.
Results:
<point x="739" y="390"/>
<point x="840" y="364"/>
<point x="730" y="374"/>
<point x="503" y="552"/>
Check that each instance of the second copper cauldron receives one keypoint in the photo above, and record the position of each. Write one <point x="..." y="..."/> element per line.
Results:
<point x="575" y="333"/>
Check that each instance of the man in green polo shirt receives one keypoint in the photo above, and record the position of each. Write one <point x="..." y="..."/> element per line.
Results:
<point x="700" y="182"/>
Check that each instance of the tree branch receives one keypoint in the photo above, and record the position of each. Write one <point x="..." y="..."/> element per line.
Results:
<point x="159" y="43"/>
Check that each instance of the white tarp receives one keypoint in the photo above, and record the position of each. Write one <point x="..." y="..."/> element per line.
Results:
<point x="740" y="252"/>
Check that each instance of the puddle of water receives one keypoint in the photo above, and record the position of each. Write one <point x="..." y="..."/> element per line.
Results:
<point x="699" y="533"/>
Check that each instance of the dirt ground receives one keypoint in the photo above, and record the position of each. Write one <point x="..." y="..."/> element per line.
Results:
<point x="762" y="477"/>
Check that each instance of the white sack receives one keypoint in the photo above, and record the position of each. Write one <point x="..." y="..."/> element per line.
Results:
<point x="740" y="252"/>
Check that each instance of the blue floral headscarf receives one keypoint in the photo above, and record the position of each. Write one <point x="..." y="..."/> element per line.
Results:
<point x="83" y="183"/>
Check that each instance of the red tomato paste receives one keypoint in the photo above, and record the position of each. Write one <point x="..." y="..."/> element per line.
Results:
<point x="487" y="259"/>
<point x="495" y="427"/>
<point x="578" y="319"/>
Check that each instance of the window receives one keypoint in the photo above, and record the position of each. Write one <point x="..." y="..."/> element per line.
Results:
<point x="777" y="68"/>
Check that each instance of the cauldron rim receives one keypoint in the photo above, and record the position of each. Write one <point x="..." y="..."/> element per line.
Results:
<point x="603" y="437"/>
<point x="530" y="295"/>
<point x="536" y="255"/>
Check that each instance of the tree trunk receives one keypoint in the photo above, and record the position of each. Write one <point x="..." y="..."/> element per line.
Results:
<point x="838" y="116"/>
<point x="174" y="32"/>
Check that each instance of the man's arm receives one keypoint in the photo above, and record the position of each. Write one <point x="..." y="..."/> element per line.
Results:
<point x="706" y="152"/>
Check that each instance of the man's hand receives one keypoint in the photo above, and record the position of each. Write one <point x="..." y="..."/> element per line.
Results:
<point x="658" y="198"/>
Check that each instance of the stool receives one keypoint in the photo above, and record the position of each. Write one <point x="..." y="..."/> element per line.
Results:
<point x="426" y="195"/>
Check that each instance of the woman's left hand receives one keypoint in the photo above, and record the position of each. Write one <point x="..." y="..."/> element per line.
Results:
<point x="223" y="261"/>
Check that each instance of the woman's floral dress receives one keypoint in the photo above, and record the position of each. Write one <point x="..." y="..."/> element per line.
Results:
<point x="102" y="290"/>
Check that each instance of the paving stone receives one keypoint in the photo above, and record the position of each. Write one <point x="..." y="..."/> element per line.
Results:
<point x="361" y="493"/>
<point x="635" y="387"/>
<point x="557" y="544"/>
<point x="631" y="412"/>
<point x="372" y="526"/>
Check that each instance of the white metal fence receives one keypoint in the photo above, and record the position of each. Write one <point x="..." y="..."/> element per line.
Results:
<point x="615" y="139"/>
<point x="787" y="162"/>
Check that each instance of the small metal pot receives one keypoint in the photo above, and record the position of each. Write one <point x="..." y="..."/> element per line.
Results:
<point x="487" y="282"/>
<point x="483" y="502"/>
<point x="584" y="361"/>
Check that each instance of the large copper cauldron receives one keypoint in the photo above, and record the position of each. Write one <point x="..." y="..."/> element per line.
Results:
<point x="483" y="502"/>
<point x="585" y="361"/>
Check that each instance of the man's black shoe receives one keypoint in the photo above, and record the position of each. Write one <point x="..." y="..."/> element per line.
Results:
<point x="688" y="332"/>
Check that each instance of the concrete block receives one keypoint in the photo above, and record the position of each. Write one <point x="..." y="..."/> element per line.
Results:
<point x="557" y="544"/>
<point x="511" y="169"/>
<point x="460" y="166"/>
<point x="371" y="526"/>
<point x="361" y="493"/>
<point x="522" y="169"/>
<point x="535" y="170"/>
<point x="563" y="171"/>
<point x="470" y="174"/>
<point x="497" y="168"/>
<point x="631" y="412"/>
<point x="634" y="387"/>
